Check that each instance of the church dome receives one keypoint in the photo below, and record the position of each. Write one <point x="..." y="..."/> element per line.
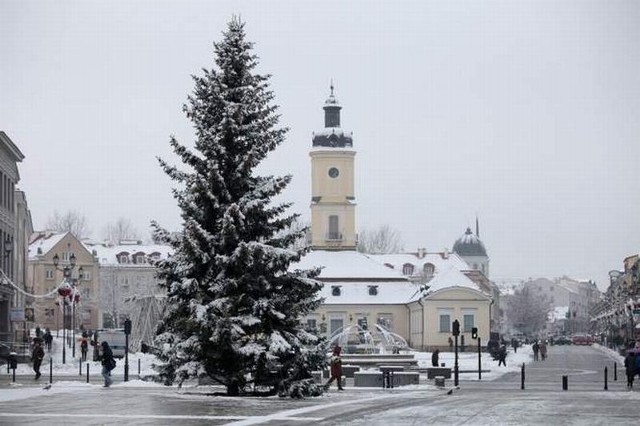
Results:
<point x="469" y="245"/>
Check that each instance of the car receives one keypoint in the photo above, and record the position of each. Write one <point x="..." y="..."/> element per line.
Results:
<point x="582" y="339"/>
<point x="562" y="340"/>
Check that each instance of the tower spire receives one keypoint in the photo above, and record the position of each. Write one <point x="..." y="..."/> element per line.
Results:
<point x="477" y="227"/>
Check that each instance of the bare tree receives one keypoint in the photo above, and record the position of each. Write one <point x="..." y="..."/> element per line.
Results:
<point x="72" y="221"/>
<point x="528" y="311"/>
<point x="122" y="229"/>
<point x="380" y="241"/>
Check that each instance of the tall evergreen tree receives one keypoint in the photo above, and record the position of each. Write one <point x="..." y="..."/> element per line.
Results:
<point x="234" y="308"/>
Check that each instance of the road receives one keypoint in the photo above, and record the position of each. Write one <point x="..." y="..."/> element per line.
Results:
<point x="498" y="402"/>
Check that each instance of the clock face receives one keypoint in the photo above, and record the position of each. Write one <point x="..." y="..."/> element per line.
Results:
<point x="333" y="172"/>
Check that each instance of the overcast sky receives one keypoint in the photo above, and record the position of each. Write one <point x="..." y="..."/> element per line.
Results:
<point x="526" y="113"/>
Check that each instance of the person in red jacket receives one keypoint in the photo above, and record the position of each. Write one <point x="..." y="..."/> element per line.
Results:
<point x="336" y="368"/>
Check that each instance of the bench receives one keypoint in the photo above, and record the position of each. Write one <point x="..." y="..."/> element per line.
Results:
<point x="373" y="379"/>
<point x="434" y="372"/>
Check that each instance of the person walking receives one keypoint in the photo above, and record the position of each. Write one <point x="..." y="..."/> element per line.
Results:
<point x="336" y="368"/>
<point x="84" y="345"/>
<point x="543" y="350"/>
<point x="48" y="339"/>
<point x="108" y="364"/>
<point x="36" y="356"/>
<point x="630" y="368"/>
<point x="502" y="356"/>
<point x="535" y="348"/>
<point x="435" y="358"/>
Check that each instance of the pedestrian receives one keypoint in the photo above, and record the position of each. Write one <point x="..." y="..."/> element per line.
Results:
<point x="514" y="343"/>
<point x="637" y="369"/>
<point x="502" y="356"/>
<point x="543" y="350"/>
<point x="84" y="345"/>
<point x="36" y="356"/>
<point x="335" y="368"/>
<point x="535" y="348"/>
<point x="48" y="339"/>
<point x="434" y="358"/>
<point x="630" y="368"/>
<point x="108" y="364"/>
<point x="450" y="343"/>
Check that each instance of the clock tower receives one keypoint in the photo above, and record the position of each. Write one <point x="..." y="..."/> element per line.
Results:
<point x="333" y="203"/>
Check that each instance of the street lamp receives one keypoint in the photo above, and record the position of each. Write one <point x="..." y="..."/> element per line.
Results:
<point x="68" y="293"/>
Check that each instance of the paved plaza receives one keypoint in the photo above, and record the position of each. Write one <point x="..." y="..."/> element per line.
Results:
<point x="500" y="401"/>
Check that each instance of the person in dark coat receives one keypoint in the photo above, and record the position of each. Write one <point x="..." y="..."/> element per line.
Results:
<point x="48" y="339"/>
<point x="502" y="356"/>
<point x="108" y="364"/>
<point x="336" y="368"/>
<point x="84" y="345"/>
<point x="535" y="348"/>
<point x="630" y="368"/>
<point x="36" y="356"/>
<point x="435" y="358"/>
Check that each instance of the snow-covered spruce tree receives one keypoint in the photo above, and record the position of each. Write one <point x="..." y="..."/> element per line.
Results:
<point x="234" y="309"/>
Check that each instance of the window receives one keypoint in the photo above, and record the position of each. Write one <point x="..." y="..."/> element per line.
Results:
<point x="49" y="274"/>
<point x="468" y="323"/>
<point x="334" y="229"/>
<point x="312" y="325"/>
<point x="445" y="323"/>
<point x="123" y="258"/>
<point x="373" y="290"/>
<point x="86" y="275"/>
<point x="335" y="290"/>
<point x="140" y="259"/>
<point x="407" y="269"/>
<point x="335" y="325"/>
<point x="428" y="269"/>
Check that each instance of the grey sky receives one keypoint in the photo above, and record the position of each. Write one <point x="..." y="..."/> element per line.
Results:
<point x="524" y="112"/>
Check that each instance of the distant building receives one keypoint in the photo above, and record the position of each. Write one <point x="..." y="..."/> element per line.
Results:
<point x="126" y="273"/>
<point x="46" y="280"/>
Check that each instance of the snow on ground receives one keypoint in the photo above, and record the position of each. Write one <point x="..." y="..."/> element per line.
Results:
<point x="467" y="361"/>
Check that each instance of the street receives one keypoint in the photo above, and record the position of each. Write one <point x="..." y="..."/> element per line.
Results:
<point x="476" y="402"/>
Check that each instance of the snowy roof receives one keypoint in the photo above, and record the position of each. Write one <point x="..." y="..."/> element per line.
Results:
<point x="439" y="260"/>
<point x="347" y="265"/>
<point x="388" y="293"/>
<point x="107" y="255"/>
<point x="451" y="277"/>
<point x="42" y="242"/>
<point x="328" y="131"/>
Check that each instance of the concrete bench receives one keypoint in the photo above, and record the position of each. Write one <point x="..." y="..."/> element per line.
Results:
<point x="373" y="379"/>
<point x="434" y="372"/>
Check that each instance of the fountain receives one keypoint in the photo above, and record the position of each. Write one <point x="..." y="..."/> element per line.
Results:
<point x="355" y="339"/>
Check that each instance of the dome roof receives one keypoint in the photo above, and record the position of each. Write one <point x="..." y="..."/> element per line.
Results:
<point x="469" y="245"/>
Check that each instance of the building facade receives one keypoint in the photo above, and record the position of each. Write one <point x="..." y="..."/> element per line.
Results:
<point x="10" y="253"/>
<point x="46" y="280"/>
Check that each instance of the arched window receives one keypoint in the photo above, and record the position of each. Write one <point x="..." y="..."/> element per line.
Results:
<point x="428" y="270"/>
<point x="407" y="269"/>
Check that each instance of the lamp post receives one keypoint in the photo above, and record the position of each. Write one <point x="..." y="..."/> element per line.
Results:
<point x="67" y="291"/>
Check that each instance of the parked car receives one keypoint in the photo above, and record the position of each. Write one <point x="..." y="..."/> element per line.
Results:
<point x="582" y="339"/>
<point x="561" y="340"/>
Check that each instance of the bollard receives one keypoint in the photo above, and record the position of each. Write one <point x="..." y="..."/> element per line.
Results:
<point x="14" y="375"/>
<point x="615" y="371"/>
<point x="522" y="377"/>
<point x="87" y="372"/>
<point x="50" y="370"/>
<point x="606" y="379"/>
<point x="565" y="383"/>
<point x="138" y="368"/>
<point x="80" y="367"/>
